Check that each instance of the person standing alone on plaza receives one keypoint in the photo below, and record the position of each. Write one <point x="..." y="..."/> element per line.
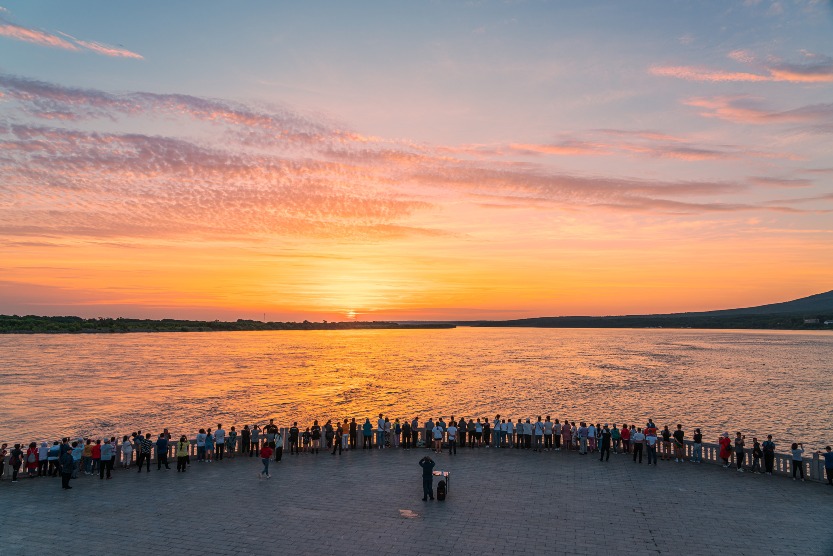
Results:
<point x="427" y="465"/>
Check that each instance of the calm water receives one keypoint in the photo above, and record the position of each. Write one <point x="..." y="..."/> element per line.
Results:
<point x="752" y="381"/>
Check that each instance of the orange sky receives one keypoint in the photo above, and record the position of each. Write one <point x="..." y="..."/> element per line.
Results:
<point x="501" y="162"/>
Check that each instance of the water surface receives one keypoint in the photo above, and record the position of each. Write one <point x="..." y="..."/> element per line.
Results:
<point x="757" y="382"/>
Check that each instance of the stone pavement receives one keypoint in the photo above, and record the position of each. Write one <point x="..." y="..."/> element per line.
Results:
<point x="500" y="502"/>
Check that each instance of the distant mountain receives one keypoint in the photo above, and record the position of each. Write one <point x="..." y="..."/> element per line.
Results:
<point x="807" y="313"/>
<point x="812" y="304"/>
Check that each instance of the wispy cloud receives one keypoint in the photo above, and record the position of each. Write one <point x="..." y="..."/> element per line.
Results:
<point x="64" y="42"/>
<point x="302" y="176"/>
<point x="819" y="69"/>
<point x="749" y="110"/>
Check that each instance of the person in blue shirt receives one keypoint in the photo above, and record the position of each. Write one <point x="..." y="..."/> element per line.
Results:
<point x="427" y="465"/>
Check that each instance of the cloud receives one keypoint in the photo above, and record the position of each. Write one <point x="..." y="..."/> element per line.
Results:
<point x="818" y="70"/>
<point x="748" y="110"/>
<point x="34" y="36"/>
<point x="286" y="174"/>
<point x="68" y="42"/>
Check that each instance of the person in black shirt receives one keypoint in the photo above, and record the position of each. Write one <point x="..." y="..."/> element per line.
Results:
<point x="679" y="445"/>
<point x="293" y="438"/>
<point x="605" y="444"/>
<point x="353" y="433"/>
<point x="246" y="440"/>
<point x="427" y="465"/>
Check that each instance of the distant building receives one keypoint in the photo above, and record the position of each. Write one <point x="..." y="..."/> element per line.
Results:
<point x="811" y="321"/>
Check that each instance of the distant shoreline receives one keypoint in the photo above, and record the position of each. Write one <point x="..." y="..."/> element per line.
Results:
<point x="76" y="325"/>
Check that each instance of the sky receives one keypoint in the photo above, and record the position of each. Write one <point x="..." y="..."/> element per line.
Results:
<point x="413" y="160"/>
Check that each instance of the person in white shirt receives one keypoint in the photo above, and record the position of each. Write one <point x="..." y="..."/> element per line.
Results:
<point x="510" y="431"/>
<point x="496" y="432"/>
<point x="637" y="441"/>
<point x="591" y="437"/>
<point x="380" y="432"/>
<point x="220" y="440"/>
<point x="438" y="438"/>
<point x="451" y="431"/>
<point x="547" y="434"/>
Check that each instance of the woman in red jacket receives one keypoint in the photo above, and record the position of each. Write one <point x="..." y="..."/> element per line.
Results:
<point x="725" y="448"/>
<point x="32" y="459"/>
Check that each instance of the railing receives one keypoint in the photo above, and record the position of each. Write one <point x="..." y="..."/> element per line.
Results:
<point x="782" y="464"/>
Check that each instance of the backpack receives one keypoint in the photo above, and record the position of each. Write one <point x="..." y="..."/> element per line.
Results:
<point x="441" y="490"/>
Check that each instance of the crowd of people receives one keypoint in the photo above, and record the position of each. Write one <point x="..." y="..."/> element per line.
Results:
<point x="68" y="458"/>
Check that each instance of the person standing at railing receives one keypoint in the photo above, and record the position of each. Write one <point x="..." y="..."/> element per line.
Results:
<point x="231" y="443"/>
<point x="345" y="435"/>
<point x="220" y="441"/>
<point x="769" y="454"/>
<point x="666" y="443"/>
<point x="108" y="454"/>
<point x="200" y="445"/>
<point x="316" y="437"/>
<point x="626" y="435"/>
<point x="740" y="455"/>
<point x="354" y="434"/>
<point x="452" y="438"/>
<point x="679" y="444"/>
<point x="294" y="432"/>
<point x="651" y="441"/>
<point x="756" y="455"/>
<point x="797" y="450"/>
<point x="828" y="464"/>
<point x="437" y="433"/>
<point x="246" y="441"/>
<point x="145" y="447"/>
<point x="278" y="445"/>
<point x="567" y="435"/>
<point x="162" y="452"/>
<point x="367" y="434"/>
<point x="616" y="436"/>
<point x="697" y="447"/>
<point x="604" y="448"/>
<point x="182" y="454"/>
<point x="77" y="456"/>
<point x="15" y="461"/>
<point x="380" y="432"/>
<point x="638" y="441"/>
<point x="255" y="447"/>
<point x="209" y="446"/>
<point x="337" y="440"/>
<point x="725" y="449"/>
<point x="126" y="452"/>
<point x="406" y="435"/>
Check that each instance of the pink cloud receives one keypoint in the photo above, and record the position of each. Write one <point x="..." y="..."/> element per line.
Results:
<point x="45" y="38"/>
<point x="747" y="110"/>
<point x="818" y="70"/>
<point x="35" y="36"/>
<point x="692" y="73"/>
<point x="60" y="182"/>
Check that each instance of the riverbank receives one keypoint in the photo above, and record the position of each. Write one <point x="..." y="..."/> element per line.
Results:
<point x="500" y="502"/>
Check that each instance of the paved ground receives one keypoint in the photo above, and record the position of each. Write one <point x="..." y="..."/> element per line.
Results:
<point x="500" y="502"/>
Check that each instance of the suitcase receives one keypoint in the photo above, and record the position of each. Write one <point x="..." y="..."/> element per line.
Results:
<point x="441" y="490"/>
